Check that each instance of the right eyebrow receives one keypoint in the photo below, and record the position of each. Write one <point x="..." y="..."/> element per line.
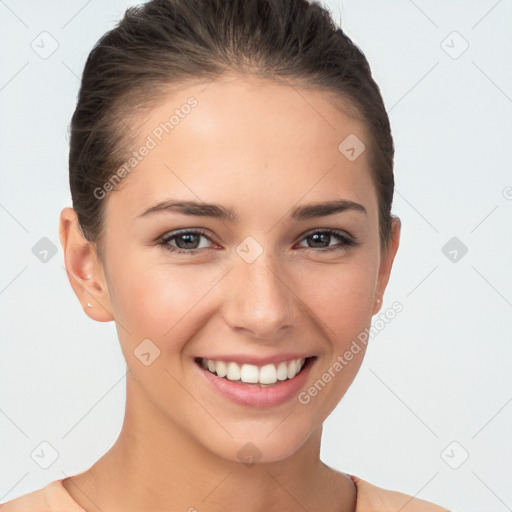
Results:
<point x="192" y="208"/>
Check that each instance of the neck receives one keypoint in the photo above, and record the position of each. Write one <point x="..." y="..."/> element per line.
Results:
<point x="156" y="466"/>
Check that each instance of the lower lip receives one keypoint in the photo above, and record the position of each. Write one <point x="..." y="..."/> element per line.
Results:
<point x="255" y="396"/>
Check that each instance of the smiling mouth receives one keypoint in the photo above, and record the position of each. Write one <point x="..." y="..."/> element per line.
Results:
<point x="250" y="374"/>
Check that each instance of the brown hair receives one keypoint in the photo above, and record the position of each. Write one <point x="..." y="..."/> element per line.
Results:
<point x="164" y="43"/>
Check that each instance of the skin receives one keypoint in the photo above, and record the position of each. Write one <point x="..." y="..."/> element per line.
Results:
<point x="260" y="148"/>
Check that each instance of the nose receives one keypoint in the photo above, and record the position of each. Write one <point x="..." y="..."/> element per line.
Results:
<point x="261" y="300"/>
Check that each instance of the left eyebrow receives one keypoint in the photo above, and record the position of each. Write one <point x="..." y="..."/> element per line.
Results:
<point x="315" y="210"/>
<point x="217" y="211"/>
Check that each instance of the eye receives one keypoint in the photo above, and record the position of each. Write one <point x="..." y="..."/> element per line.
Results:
<point x="187" y="241"/>
<point x="320" y="238"/>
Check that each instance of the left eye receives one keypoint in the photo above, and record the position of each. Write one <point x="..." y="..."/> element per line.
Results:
<point x="321" y="237"/>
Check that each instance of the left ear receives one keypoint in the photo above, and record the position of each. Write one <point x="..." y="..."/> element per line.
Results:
<point x="386" y="262"/>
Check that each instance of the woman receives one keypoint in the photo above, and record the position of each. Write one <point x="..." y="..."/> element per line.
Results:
<point x="231" y="169"/>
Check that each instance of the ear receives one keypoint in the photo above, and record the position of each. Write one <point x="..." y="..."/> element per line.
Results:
<point x="386" y="262"/>
<point x="84" y="268"/>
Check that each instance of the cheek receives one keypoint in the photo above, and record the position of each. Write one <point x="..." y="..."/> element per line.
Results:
<point x="156" y="300"/>
<point x="340" y="300"/>
<point x="341" y="296"/>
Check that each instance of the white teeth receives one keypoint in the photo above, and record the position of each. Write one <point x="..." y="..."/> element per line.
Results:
<point x="282" y="371"/>
<point x="268" y="374"/>
<point x="233" y="371"/>
<point x="292" y="369"/>
<point x="220" y="368"/>
<point x="250" y="373"/>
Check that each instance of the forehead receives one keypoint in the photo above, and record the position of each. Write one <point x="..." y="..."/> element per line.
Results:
<point x="248" y="140"/>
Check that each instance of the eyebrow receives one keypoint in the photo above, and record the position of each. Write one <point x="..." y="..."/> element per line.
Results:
<point x="217" y="211"/>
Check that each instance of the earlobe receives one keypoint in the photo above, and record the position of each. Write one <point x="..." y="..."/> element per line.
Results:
<point x="83" y="268"/>
<point x="377" y="306"/>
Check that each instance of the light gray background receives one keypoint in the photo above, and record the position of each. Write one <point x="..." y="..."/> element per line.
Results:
<point x="439" y="372"/>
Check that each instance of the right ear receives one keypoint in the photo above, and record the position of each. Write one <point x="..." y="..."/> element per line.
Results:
<point x="84" y="268"/>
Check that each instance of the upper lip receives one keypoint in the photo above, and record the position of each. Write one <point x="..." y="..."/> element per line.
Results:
<point x="258" y="361"/>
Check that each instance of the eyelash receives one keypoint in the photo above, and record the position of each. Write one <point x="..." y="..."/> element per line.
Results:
<point x="347" y="241"/>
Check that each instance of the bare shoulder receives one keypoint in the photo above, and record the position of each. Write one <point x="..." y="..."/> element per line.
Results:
<point x="52" y="498"/>
<point x="371" y="498"/>
<point x="33" y="502"/>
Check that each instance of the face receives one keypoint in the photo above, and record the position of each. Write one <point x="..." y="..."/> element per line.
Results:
<point x="260" y="279"/>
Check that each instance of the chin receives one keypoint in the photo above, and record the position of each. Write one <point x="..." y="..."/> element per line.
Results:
<point x="257" y="446"/>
